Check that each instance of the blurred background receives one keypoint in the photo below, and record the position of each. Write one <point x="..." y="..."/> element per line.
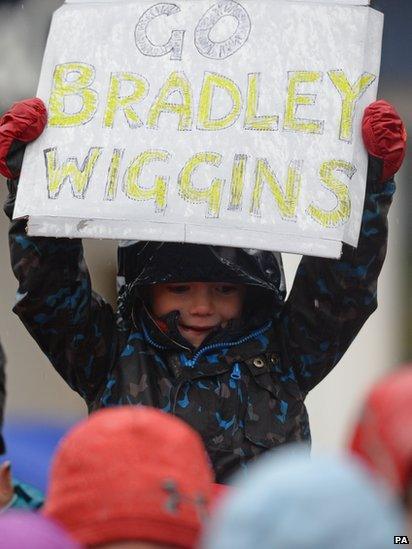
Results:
<point x="40" y="406"/>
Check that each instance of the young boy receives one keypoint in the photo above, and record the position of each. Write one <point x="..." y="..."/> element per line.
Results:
<point x="203" y="332"/>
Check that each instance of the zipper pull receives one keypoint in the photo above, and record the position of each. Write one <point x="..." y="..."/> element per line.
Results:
<point x="189" y="363"/>
<point x="235" y="372"/>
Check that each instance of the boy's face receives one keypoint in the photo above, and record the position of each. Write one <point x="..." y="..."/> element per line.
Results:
<point x="203" y="306"/>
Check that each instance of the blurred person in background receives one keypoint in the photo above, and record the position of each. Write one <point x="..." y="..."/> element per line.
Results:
<point x="291" y="501"/>
<point x="407" y="500"/>
<point x="24" y="530"/>
<point x="2" y="396"/>
<point x="13" y="493"/>
<point x="382" y="438"/>
<point x="132" y="476"/>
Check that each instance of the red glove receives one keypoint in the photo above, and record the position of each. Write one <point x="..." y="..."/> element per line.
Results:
<point x="384" y="136"/>
<point x="24" y="122"/>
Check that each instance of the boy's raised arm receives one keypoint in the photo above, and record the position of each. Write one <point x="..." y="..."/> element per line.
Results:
<point x="74" y="327"/>
<point x="331" y="299"/>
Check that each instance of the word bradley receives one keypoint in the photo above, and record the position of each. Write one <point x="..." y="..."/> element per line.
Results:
<point x="74" y="80"/>
<point x="136" y="187"/>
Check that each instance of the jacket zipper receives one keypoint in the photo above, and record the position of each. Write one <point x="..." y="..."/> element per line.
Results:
<point x="179" y="386"/>
<point x="161" y="347"/>
<point x="150" y="340"/>
<point x="191" y="363"/>
<point x="202" y="351"/>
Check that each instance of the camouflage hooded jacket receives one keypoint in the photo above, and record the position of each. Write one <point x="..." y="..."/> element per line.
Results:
<point x="243" y="396"/>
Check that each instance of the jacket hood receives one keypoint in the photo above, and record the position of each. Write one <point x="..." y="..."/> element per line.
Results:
<point x="143" y="263"/>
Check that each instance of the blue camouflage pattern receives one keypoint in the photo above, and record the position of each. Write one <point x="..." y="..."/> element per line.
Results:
<point x="244" y="396"/>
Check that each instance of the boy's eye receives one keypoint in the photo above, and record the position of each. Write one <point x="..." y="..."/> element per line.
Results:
<point x="180" y="289"/>
<point x="226" y="289"/>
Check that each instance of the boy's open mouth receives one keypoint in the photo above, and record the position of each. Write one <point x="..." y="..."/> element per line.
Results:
<point x="199" y="329"/>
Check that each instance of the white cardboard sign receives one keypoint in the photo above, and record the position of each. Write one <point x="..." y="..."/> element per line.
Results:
<point x="210" y="121"/>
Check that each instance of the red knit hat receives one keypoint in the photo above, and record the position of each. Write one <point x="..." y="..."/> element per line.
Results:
<point x="130" y="473"/>
<point x="383" y="436"/>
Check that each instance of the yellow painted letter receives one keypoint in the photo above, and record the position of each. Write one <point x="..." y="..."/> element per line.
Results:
<point x="237" y="182"/>
<point x="339" y="215"/>
<point x="212" y="81"/>
<point x="295" y="100"/>
<point x="211" y="195"/>
<point x="64" y="86"/>
<point x="113" y="175"/>
<point x="350" y="95"/>
<point x="287" y="201"/>
<point x="115" y="101"/>
<point x="131" y="186"/>
<point x="176" y="82"/>
<point x="252" y="121"/>
<point x="79" y="177"/>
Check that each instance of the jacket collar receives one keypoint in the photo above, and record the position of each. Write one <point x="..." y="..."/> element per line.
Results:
<point x="215" y="356"/>
<point x="171" y="339"/>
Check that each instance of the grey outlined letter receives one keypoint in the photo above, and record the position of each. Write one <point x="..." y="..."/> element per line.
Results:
<point x="225" y="48"/>
<point x="175" y="43"/>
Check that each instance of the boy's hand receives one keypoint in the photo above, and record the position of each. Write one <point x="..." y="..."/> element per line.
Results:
<point x="22" y="123"/>
<point x="384" y="135"/>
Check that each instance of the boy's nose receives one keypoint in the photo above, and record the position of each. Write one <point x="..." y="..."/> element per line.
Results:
<point x="202" y="302"/>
